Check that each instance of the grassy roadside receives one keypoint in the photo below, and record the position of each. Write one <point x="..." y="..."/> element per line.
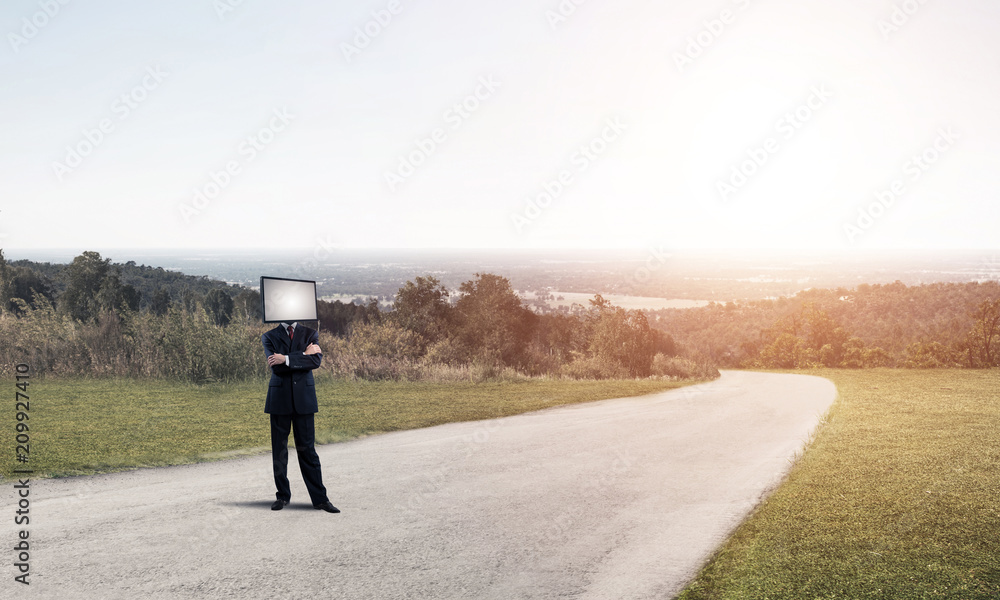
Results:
<point x="81" y="426"/>
<point x="897" y="498"/>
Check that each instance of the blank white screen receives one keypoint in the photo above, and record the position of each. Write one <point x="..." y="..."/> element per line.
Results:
<point x="288" y="300"/>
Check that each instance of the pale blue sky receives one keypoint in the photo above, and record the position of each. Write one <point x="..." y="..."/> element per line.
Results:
<point x="877" y="100"/>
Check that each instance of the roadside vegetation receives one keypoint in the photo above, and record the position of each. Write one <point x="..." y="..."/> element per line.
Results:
<point x="898" y="497"/>
<point x="90" y="321"/>
<point x="952" y="325"/>
<point x="97" y="319"/>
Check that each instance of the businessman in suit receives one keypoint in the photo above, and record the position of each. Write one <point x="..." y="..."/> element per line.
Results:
<point x="292" y="353"/>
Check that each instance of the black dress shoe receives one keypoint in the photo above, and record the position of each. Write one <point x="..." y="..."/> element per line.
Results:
<point x="279" y="504"/>
<point x="327" y="506"/>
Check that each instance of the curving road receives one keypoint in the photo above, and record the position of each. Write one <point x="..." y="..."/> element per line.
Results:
<point x="614" y="499"/>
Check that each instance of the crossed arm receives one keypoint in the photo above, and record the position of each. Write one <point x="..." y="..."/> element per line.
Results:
<point x="277" y="361"/>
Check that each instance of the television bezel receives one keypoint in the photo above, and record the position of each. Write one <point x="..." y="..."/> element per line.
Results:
<point x="263" y="312"/>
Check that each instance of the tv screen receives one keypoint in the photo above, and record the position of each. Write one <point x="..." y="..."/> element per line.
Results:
<point x="287" y="300"/>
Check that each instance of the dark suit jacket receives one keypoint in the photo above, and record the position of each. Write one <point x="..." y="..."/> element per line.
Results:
<point x="292" y="385"/>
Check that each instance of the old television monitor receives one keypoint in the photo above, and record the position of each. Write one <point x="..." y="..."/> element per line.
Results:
<point x="288" y="300"/>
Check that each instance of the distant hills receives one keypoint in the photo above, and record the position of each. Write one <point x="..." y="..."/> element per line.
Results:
<point x="656" y="272"/>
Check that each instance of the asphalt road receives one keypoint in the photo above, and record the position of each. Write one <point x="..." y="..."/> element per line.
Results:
<point x="615" y="499"/>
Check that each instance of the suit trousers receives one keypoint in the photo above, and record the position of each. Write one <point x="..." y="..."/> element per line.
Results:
<point x="304" y="431"/>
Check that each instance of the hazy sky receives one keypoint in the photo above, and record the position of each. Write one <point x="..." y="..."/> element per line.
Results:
<point x="681" y="124"/>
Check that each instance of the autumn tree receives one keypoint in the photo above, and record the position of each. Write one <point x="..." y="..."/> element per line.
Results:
<point x="983" y="342"/>
<point x="785" y="352"/>
<point x="825" y="337"/>
<point x="421" y="306"/>
<point x="621" y="337"/>
<point x="491" y="323"/>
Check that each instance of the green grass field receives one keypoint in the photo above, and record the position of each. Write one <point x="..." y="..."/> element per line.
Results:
<point x="80" y="426"/>
<point x="897" y="498"/>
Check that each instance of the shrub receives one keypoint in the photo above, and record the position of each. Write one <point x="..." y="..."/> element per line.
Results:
<point x="384" y="340"/>
<point x="682" y="368"/>
<point x="930" y="355"/>
<point x="446" y="352"/>
<point x="595" y="367"/>
<point x="537" y="361"/>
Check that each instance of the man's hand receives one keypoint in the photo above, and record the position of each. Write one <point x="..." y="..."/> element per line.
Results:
<point x="313" y="349"/>
<point x="275" y="359"/>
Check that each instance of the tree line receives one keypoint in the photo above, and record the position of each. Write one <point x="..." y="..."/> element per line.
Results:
<point x="94" y="318"/>
<point x="91" y="317"/>
<point x="936" y="325"/>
